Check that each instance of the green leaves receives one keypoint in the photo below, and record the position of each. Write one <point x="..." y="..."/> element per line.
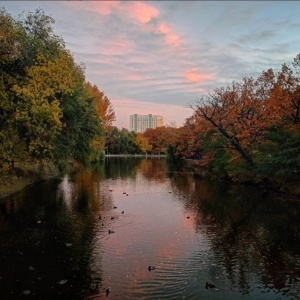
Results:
<point x="46" y="110"/>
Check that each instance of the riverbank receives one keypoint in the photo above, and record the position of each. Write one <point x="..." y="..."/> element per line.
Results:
<point x="291" y="188"/>
<point x="136" y="155"/>
<point x="26" y="174"/>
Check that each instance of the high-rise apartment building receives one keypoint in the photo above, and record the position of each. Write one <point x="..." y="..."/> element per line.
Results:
<point x="139" y="123"/>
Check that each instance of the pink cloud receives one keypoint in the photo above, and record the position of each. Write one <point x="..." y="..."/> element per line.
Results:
<point x="135" y="77"/>
<point x="141" y="12"/>
<point x="196" y="77"/>
<point x="101" y="7"/>
<point x="171" y="37"/>
<point x="138" y="11"/>
<point x="119" y="46"/>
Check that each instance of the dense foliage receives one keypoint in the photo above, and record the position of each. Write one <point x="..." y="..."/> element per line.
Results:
<point x="122" y="141"/>
<point x="249" y="129"/>
<point x="47" y="109"/>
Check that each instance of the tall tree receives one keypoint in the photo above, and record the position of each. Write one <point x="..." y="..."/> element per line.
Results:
<point x="102" y="105"/>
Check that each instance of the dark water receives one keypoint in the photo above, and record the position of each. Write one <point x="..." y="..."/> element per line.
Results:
<point x="54" y="246"/>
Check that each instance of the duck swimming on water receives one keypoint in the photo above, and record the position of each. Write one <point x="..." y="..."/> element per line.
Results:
<point x="150" y="268"/>
<point x="209" y="285"/>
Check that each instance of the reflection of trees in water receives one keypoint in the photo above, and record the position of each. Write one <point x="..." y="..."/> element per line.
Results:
<point x="249" y="233"/>
<point x="91" y="190"/>
<point x="253" y="237"/>
<point x="121" y="167"/>
<point x="46" y="242"/>
<point x="153" y="169"/>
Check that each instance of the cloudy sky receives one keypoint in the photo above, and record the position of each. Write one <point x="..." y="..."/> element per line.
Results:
<point x="159" y="56"/>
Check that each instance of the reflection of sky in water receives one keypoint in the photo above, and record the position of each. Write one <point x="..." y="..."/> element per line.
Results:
<point x="66" y="191"/>
<point x="155" y="229"/>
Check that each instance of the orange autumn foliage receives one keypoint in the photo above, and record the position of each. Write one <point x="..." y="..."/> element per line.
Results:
<point x="244" y="111"/>
<point x="102" y="106"/>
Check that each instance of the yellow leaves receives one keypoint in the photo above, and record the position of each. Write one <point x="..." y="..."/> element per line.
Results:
<point x="47" y="78"/>
<point x="39" y="92"/>
<point x="143" y="143"/>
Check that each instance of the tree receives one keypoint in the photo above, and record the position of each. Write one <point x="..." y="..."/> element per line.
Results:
<point x="160" y="137"/>
<point x="10" y="36"/>
<point x="102" y="106"/>
<point x="142" y="143"/>
<point x="105" y="114"/>
<point x="239" y="112"/>
<point x="38" y="112"/>
<point x="46" y="109"/>
<point x="122" y="141"/>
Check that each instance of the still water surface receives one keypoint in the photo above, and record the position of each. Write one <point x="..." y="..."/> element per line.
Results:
<point x="55" y="241"/>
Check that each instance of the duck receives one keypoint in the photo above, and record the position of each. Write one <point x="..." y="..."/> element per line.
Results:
<point x="122" y="212"/>
<point x="150" y="268"/>
<point x="115" y="207"/>
<point x="107" y="291"/>
<point x="188" y="217"/>
<point x="110" y="231"/>
<point x="209" y="285"/>
<point x="112" y="218"/>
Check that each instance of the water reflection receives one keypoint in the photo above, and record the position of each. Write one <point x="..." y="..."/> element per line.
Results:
<point x="56" y="240"/>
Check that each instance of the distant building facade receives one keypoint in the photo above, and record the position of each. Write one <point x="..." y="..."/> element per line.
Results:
<point x="139" y="123"/>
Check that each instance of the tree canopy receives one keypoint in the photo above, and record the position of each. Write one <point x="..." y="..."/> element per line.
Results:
<point x="47" y="109"/>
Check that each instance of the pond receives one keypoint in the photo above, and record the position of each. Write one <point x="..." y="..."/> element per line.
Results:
<point x="101" y="228"/>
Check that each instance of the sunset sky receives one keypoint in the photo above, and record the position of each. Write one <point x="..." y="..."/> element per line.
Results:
<point x="159" y="56"/>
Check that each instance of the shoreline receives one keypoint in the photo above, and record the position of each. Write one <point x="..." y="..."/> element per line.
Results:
<point x="24" y="175"/>
<point x="12" y="184"/>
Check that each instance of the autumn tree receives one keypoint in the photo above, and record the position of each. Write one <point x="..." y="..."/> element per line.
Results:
<point x="38" y="96"/>
<point x="245" y="118"/>
<point x="239" y="112"/>
<point x="285" y="95"/>
<point x="190" y="137"/>
<point x="142" y="143"/>
<point x="159" y="138"/>
<point x="105" y="114"/>
<point x="102" y="105"/>
<point x="46" y="110"/>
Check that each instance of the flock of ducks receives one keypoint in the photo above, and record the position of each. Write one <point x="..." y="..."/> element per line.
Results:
<point x="150" y="268"/>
